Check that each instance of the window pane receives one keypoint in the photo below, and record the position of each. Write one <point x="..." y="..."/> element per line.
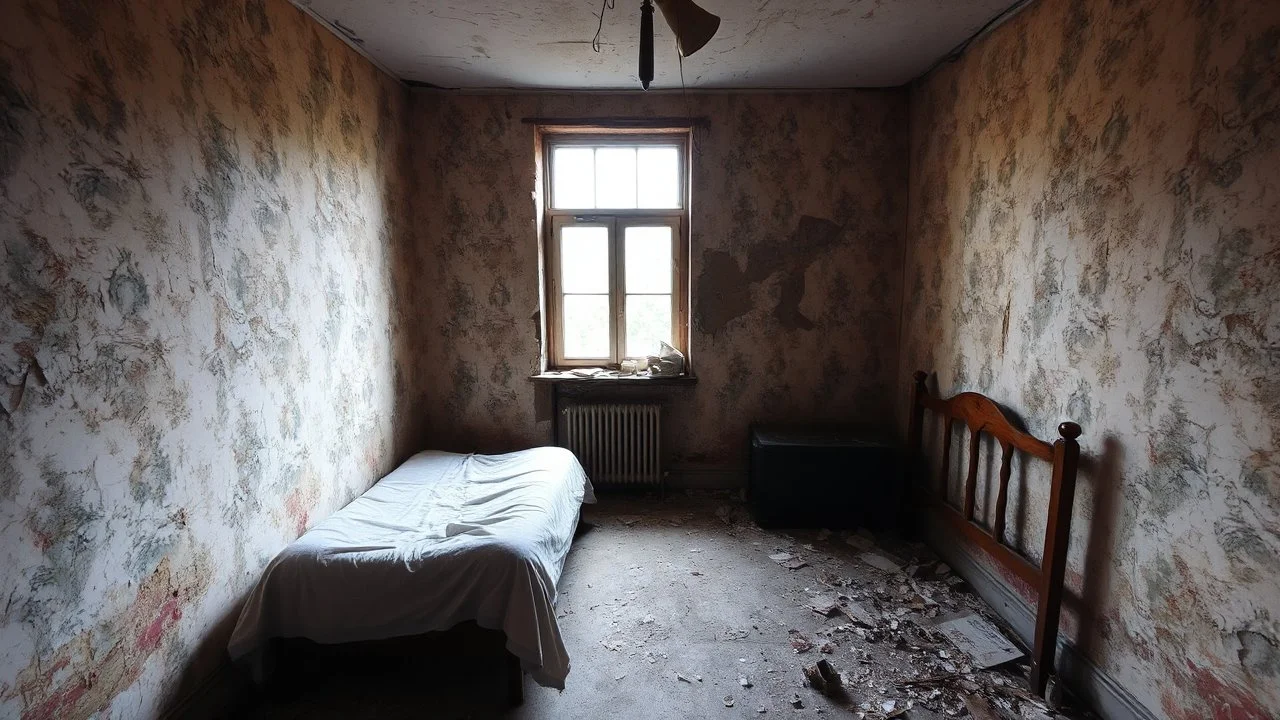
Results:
<point x="573" y="177"/>
<point x="586" y="326"/>
<point x="658" y="169"/>
<point x="615" y="177"/>
<point x="648" y="323"/>
<point x="584" y="259"/>
<point x="648" y="259"/>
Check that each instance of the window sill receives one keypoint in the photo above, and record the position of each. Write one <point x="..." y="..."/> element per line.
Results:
<point x="567" y="378"/>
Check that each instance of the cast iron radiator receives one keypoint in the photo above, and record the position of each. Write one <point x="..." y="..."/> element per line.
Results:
<point x="617" y="444"/>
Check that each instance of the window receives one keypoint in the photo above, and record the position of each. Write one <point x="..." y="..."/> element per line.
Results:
<point x="617" y="226"/>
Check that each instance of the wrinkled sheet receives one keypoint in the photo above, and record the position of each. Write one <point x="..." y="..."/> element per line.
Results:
<point x="443" y="539"/>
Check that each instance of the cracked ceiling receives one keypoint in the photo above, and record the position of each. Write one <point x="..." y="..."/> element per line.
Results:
<point x="778" y="44"/>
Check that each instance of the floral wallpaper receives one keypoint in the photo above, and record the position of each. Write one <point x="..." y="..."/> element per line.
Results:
<point x="204" y="243"/>
<point x="1093" y="222"/>
<point x="243" y="273"/>
<point x="797" y="218"/>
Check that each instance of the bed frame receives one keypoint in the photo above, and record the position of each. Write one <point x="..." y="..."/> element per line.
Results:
<point x="981" y="414"/>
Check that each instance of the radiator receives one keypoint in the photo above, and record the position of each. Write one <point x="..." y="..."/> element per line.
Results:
<point x="616" y="443"/>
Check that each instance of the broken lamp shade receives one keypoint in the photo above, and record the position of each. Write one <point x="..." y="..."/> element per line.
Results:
<point x="693" y="27"/>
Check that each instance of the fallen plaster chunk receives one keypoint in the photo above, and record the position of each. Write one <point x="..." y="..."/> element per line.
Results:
<point x="979" y="707"/>
<point x="825" y="605"/>
<point x="860" y="542"/>
<point x="801" y="644"/>
<point x="788" y="561"/>
<point x="880" y="562"/>
<point x="858" y="614"/>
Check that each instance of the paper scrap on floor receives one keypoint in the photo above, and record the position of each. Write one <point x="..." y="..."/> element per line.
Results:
<point x="979" y="639"/>
<point x="880" y="562"/>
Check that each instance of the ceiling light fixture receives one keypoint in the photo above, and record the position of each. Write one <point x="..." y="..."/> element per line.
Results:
<point x="693" y="27"/>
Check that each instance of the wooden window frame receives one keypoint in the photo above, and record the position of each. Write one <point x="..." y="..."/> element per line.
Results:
<point x="617" y="220"/>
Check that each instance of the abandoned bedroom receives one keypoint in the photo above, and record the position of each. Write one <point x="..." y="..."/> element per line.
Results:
<point x="583" y="359"/>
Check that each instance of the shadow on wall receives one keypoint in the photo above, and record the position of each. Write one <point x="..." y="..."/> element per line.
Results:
<point x="1102" y="474"/>
<point x="1087" y="595"/>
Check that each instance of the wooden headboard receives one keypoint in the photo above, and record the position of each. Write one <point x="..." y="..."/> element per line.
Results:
<point x="981" y="414"/>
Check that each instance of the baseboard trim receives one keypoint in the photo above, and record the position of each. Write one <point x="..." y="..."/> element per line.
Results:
<point x="219" y="696"/>
<point x="1079" y="674"/>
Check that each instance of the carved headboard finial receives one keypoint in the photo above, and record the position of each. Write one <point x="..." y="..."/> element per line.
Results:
<point x="1069" y="430"/>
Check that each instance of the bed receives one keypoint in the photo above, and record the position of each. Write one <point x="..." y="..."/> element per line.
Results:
<point x="981" y="414"/>
<point x="443" y="540"/>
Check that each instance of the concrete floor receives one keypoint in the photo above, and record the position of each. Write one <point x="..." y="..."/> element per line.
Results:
<point x="656" y="591"/>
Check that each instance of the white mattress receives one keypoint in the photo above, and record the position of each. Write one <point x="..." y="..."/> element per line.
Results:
<point x="443" y="539"/>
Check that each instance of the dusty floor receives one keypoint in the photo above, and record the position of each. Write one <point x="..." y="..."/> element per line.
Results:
<point x="674" y="609"/>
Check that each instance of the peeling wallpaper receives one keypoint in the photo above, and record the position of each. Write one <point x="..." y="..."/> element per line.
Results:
<point x="797" y="218"/>
<point x="203" y="235"/>
<point x="1093" y="222"/>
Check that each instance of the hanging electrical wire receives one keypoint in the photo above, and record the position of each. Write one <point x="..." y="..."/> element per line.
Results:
<point x="604" y="5"/>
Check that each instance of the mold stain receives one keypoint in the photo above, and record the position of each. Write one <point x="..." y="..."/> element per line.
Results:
<point x="126" y="287"/>
<point x="62" y="527"/>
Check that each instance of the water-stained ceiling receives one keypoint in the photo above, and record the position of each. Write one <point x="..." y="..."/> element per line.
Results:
<point x="761" y="43"/>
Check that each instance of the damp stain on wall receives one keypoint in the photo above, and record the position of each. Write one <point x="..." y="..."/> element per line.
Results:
<point x="1115" y="236"/>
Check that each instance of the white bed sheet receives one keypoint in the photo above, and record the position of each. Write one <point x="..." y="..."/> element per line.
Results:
<point x="443" y="539"/>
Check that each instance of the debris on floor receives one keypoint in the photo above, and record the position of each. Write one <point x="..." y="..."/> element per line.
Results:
<point x="980" y="708"/>
<point x="979" y="639"/>
<point x="800" y="643"/>
<point x="880" y="562"/>
<point x="788" y="561"/>
<point x="909" y="638"/>
<point x="825" y="605"/>
<point x="824" y="678"/>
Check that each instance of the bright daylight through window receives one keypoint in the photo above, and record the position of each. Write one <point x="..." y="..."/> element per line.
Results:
<point x="617" y="208"/>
